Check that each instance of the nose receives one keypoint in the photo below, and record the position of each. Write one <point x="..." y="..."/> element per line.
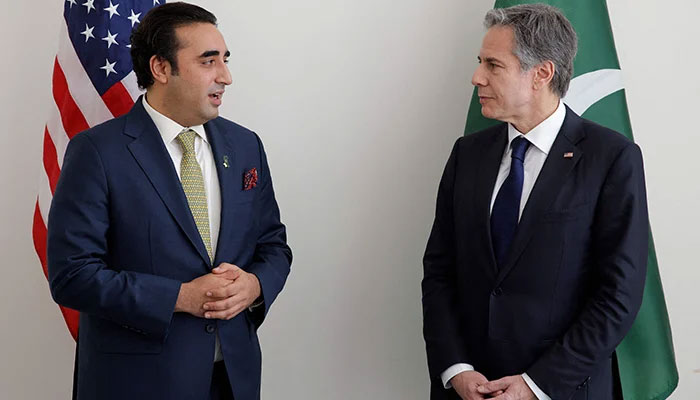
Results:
<point x="224" y="76"/>
<point x="478" y="78"/>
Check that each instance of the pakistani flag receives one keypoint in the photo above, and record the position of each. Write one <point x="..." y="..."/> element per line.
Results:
<point x="645" y="357"/>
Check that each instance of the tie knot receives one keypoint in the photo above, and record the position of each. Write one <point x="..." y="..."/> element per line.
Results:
<point x="519" y="147"/>
<point x="186" y="139"/>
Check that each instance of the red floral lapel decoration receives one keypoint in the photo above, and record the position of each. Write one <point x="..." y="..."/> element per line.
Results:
<point x="250" y="179"/>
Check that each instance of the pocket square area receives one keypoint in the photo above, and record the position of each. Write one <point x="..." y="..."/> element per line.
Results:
<point x="250" y="179"/>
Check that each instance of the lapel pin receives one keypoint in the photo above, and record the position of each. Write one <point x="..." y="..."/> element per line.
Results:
<point x="225" y="161"/>
<point x="569" y="154"/>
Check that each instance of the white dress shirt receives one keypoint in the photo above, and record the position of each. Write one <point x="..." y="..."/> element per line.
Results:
<point x="169" y="130"/>
<point x="541" y="139"/>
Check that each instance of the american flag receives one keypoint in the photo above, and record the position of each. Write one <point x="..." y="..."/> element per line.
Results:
<point x="92" y="82"/>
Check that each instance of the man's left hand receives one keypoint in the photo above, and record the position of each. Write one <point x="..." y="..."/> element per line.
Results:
<point x="230" y="300"/>
<point x="511" y="388"/>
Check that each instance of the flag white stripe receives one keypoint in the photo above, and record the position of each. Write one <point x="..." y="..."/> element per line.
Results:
<point x="57" y="133"/>
<point x="81" y="89"/>
<point x="44" y="195"/>
<point x="131" y="86"/>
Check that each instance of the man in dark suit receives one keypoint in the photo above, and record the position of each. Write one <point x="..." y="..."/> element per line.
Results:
<point x="535" y="266"/>
<point x="146" y="205"/>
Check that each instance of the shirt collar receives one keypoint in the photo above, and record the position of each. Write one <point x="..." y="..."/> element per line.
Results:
<point x="542" y="136"/>
<point x="168" y="128"/>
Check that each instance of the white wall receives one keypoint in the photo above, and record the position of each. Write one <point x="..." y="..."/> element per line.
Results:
<point x="358" y="103"/>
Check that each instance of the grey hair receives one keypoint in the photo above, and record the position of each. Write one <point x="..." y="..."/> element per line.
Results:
<point x="541" y="33"/>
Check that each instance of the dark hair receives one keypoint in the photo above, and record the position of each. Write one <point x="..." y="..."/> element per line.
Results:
<point x="155" y="36"/>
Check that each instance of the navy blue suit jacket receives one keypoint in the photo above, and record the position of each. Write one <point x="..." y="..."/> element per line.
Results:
<point x="121" y="240"/>
<point x="573" y="278"/>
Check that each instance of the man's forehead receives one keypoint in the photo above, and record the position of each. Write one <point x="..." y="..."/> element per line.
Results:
<point x="200" y="37"/>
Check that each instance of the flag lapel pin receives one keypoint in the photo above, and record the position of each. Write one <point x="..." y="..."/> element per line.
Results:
<point x="569" y="154"/>
<point x="225" y="161"/>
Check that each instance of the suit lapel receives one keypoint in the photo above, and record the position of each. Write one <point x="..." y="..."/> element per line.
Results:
<point x="551" y="178"/>
<point x="489" y="164"/>
<point x="224" y="159"/>
<point x="149" y="151"/>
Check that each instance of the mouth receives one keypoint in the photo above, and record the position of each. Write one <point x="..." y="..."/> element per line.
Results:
<point x="216" y="97"/>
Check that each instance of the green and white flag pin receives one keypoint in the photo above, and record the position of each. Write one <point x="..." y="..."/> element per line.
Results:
<point x="645" y="357"/>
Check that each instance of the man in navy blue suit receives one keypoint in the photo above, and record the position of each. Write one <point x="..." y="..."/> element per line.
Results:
<point x="535" y="266"/>
<point x="164" y="231"/>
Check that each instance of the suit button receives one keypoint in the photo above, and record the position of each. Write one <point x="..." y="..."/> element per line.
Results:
<point x="210" y="328"/>
<point x="497" y="291"/>
<point x="583" y="385"/>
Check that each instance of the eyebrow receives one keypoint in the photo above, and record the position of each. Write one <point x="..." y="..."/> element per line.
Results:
<point x="490" y="60"/>
<point x="212" y="53"/>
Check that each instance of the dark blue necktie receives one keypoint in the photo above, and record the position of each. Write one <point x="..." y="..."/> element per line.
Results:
<point x="506" y="207"/>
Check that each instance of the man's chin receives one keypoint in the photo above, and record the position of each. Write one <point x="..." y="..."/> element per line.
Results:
<point x="491" y="114"/>
<point x="212" y="113"/>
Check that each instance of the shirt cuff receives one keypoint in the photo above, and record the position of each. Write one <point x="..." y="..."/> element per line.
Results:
<point x="535" y="389"/>
<point x="450" y="373"/>
<point x="257" y="303"/>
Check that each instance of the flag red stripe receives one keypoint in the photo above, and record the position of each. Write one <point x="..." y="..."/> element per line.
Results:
<point x="118" y="99"/>
<point x="39" y="236"/>
<point x="73" y="119"/>
<point x="72" y="318"/>
<point x="50" y="160"/>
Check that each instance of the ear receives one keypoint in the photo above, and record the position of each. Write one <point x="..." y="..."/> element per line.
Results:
<point x="160" y="69"/>
<point x="544" y="73"/>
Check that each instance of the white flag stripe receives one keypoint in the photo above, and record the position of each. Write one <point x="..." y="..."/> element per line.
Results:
<point x="44" y="195"/>
<point x="58" y="135"/>
<point x="81" y="89"/>
<point x="587" y="89"/>
<point x="131" y="86"/>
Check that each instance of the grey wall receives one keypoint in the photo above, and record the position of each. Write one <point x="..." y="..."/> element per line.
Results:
<point x="358" y="103"/>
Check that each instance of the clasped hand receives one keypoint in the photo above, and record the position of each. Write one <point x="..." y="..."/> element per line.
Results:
<point x="471" y="385"/>
<point x="221" y="294"/>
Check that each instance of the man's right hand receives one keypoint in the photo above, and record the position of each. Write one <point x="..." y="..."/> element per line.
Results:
<point x="192" y="294"/>
<point x="465" y="384"/>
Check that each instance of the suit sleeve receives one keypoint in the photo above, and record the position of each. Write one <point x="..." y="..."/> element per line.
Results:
<point x="79" y="274"/>
<point x="620" y="244"/>
<point x="273" y="257"/>
<point x="439" y="292"/>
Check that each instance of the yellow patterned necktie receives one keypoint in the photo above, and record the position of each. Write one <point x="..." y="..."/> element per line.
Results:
<point x="193" y="185"/>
